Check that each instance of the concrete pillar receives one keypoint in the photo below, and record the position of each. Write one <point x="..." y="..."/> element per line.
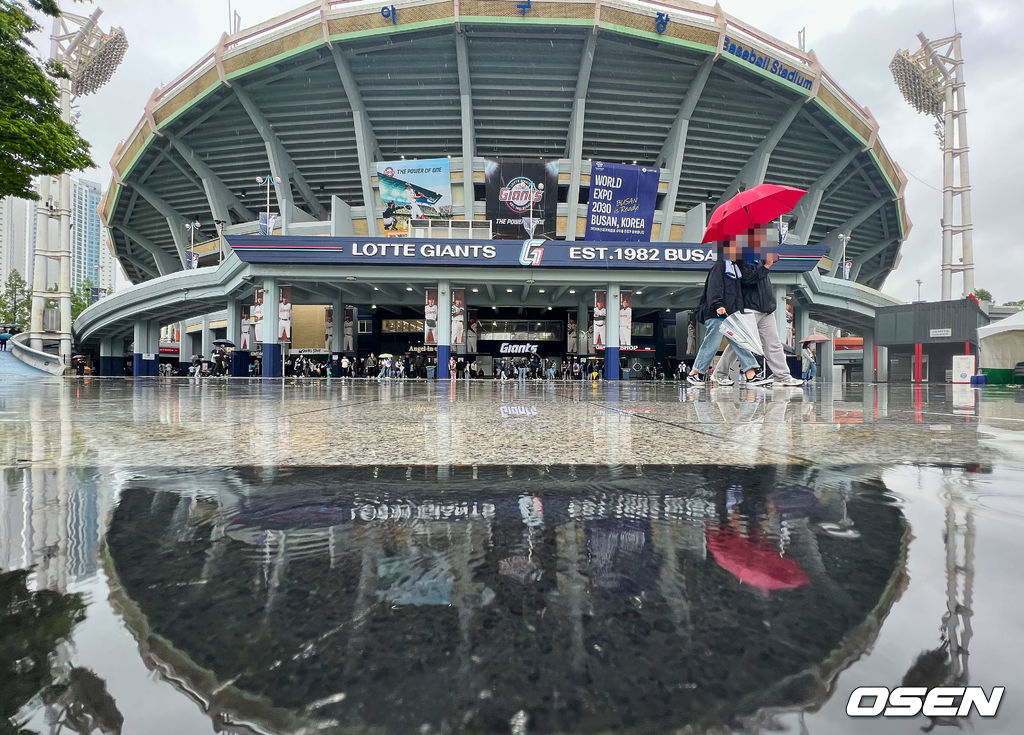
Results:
<point x="111" y="356"/>
<point x="611" y="334"/>
<point x="827" y="361"/>
<point x="239" y="365"/>
<point x="868" y="357"/>
<point x="206" y="350"/>
<point x="272" y="357"/>
<point x="337" y="341"/>
<point x="801" y="323"/>
<point x="184" y="346"/>
<point x="444" y="327"/>
<point x="883" y="365"/>
<point x="144" y="366"/>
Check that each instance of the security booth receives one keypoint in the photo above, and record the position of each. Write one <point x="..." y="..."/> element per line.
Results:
<point x="924" y="337"/>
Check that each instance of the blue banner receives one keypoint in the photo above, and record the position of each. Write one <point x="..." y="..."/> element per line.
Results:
<point x="526" y="254"/>
<point x="622" y="202"/>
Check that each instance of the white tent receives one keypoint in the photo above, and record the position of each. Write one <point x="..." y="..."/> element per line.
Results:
<point x="1002" y="344"/>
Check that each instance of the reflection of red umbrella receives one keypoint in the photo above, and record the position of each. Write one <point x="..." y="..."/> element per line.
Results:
<point x="758" y="565"/>
<point x="755" y="206"/>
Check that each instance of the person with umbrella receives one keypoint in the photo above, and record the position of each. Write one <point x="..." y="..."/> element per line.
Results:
<point x="722" y="296"/>
<point x="745" y="215"/>
<point x="759" y="297"/>
<point x="4" y="336"/>
<point x="807" y="358"/>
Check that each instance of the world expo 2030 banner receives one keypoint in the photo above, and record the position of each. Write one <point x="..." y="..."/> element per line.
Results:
<point x="522" y="198"/>
<point x="622" y="199"/>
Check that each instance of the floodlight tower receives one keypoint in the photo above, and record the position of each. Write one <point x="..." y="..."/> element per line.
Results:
<point x="932" y="81"/>
<point x="90" y="57"/>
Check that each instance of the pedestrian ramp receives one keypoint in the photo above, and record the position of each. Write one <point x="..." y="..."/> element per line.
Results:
<point x="12" y="366"/>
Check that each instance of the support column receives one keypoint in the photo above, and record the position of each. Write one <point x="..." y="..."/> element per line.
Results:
<point x="883" y="365"/>
<point x="64" y="285"/>
<point x="40" y="263"/>
<point x="868" y="356"/>
<point x="444" y="328"/>
<point x="184" y="346"/>
<point x="272" y="366"/>
<point x="141" y="365"/>
<point x="827" y="361"/>
<point x="111" y="356"/>
<point x="338" y="334"/>
<point x="239" y="367"/>
<point x="207" y="339"/>
<point x="611" y="334"/>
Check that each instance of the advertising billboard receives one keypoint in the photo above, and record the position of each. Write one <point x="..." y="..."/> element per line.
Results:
<point x="522" y="198"/>
<point x="622" y="200"/>
<point x="414" y="189"/>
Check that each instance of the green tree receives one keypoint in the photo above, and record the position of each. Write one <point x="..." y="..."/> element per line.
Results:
<point x="15" y="299"/>
<point x="982" y="294"/>
<point x="34" y="140"/>
<point x="81" y="299"/>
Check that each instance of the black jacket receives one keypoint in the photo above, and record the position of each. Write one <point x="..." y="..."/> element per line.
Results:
<point x="720" y="289"/>
<point x="758" y="294"/>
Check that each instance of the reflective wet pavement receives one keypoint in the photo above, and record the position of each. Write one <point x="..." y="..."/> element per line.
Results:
<point x="411" y="557"/>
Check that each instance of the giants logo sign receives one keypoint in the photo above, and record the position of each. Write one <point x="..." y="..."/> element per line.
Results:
<point x="521" y="195"/>
<point x="532" y="252"/>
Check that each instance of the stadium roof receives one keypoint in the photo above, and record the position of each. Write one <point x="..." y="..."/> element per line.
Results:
<point x="319" y="94"/>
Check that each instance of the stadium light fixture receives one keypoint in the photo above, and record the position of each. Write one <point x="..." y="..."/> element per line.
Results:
<point x="192" y="225"/>
<point x="932" y="81"/>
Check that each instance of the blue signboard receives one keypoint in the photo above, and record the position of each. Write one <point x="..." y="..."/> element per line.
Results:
<point x="533" y="253"/>
<point x="621" y="202"/>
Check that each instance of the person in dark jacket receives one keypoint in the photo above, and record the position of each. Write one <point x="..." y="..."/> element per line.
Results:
<point x="723" y="295"/>
<point x="759" y="297"/>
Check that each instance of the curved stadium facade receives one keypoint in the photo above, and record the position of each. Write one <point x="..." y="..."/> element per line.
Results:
<point x="319" y="96"/>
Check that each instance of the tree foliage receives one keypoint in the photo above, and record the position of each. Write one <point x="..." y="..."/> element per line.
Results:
<point x="982" y="294"/>
<point x="34" y="140"/>
<point x="15" y="299"/>
<point x="81" y="299"/>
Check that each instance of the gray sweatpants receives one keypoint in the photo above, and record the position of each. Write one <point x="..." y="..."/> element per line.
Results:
<point x="774" y="355"/>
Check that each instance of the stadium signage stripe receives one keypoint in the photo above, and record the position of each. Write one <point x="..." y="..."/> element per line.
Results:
<point x="536" y="253"/>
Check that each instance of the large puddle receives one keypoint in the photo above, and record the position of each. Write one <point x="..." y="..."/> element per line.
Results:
<point x="469" y="599"/>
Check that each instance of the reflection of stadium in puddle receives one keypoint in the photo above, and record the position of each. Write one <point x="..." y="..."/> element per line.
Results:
<point x="587" y="598"/>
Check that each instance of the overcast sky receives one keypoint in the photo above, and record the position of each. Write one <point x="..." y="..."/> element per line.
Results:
<point x="854" y="42"/>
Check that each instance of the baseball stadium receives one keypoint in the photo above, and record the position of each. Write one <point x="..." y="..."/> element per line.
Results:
<point x="354" y="158"/>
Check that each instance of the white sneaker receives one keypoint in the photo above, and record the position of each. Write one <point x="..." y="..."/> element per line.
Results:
<point x="789" y="382"/>
<point x="721" y="381"/>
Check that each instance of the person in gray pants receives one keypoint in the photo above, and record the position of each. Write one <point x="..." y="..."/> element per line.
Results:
<point x="759" y="297"/>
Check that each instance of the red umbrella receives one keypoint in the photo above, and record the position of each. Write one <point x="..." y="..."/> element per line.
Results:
<point x="758" y="565"/>
<point x="749" y="208"/>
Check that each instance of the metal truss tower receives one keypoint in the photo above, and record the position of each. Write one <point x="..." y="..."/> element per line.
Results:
<point x="90" y="57"/>
<point x="932" y="81"/>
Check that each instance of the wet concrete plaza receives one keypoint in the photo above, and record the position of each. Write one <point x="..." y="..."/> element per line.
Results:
<point x="196" y="556"/>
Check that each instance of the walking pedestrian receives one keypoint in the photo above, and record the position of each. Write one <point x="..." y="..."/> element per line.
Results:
<point x="723" y="295"/>
<point x="759" y="297"/>
<point x="807" y="358"/>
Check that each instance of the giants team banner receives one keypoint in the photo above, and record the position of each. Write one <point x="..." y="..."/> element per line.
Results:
<point x="430" y="317"/>
<point x="417" y="189"/>
<point x="458" y="316"/>
<point x="622" y="202"/>
<point x="625" y="320"/>
<point x="522" y="198"/>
